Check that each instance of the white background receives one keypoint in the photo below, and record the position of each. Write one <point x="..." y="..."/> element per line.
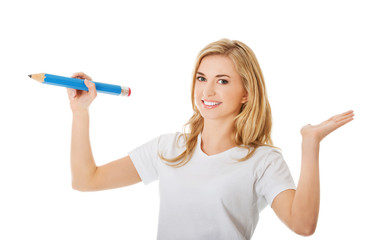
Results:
<point x="313" y="55"/>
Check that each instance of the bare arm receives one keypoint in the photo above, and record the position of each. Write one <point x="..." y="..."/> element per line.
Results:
<point x="86" y="176"/>
<point x="299" y="209"/>
<point x="81" y="159"/>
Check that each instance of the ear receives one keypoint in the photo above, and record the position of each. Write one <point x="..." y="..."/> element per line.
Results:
<point x="245" y="98"/>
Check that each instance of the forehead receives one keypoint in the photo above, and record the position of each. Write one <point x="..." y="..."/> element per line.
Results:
<point x="215" y="64"/>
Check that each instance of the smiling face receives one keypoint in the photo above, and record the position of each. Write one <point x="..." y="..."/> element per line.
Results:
<point x="218" y="90"/>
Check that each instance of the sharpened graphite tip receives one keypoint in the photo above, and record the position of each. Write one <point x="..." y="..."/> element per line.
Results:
<point x="30" y="76"/>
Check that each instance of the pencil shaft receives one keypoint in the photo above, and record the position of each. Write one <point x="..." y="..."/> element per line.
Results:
<point x="79" y="84"/>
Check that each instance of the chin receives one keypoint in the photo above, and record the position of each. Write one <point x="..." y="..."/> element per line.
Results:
<point x="211" y="116"/>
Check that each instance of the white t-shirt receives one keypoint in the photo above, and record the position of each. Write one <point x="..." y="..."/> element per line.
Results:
<point x="211" y="197"/>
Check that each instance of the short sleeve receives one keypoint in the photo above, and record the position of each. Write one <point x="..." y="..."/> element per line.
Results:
<point x="145" y="159"/>
<point x="273" y="177"/>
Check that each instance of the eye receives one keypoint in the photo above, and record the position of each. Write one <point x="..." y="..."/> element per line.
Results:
<point x="201" y="79"/>
<point x="222" y="81"/>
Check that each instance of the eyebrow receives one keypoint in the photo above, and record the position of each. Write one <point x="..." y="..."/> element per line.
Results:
<point x="219" y="75"/>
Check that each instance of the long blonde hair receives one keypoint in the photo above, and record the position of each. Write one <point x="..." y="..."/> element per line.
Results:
<point x="252" y="126"/>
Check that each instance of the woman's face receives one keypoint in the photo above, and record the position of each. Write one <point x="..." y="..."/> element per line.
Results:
<point x="218" y="90"/>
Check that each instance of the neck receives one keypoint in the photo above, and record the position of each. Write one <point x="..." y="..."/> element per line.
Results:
<point x="217" y="136"/>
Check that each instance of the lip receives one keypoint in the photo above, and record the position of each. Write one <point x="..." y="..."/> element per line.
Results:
<point x="210" y="107"/>
<point x="203" y="99"/>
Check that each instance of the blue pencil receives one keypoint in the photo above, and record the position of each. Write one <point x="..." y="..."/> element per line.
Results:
<point x="79" y="84"/>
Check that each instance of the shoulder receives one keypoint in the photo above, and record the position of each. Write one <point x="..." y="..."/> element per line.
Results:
<point x="267" y="156"/>
<point x="267" y="153"/>
<point x="170" y="140"/>
<point x="171" y="145"/>
<point x="169" y="137"/>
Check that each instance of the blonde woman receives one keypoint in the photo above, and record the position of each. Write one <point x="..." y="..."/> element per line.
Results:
<point x="215" y="178"/>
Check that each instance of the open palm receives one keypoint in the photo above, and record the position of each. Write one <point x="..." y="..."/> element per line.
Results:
<point x="321" y="130"/>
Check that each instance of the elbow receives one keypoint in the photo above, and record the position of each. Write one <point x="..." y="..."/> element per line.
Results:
<point x="77" y="187"/>
<point x="304" y="225"/>
<point x="305" y="230"/>
<point x="80" y="187"/>
<point x="83" y="183"/>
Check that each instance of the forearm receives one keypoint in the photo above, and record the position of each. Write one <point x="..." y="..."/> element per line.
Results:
<point x="82" y="163"/>
<point x="305" y="206"/>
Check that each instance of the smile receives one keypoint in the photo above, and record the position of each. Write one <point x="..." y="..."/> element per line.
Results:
<point x="210" y="104"/>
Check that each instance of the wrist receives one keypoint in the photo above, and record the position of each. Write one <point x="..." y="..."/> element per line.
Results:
<point x="80" y="112"/>
<point x="311" y="141"/>
<point x="309" y="135"/>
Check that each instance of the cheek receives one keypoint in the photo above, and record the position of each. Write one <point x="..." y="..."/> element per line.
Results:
<point x="197" y="100"/>
<point x="236" y="97"/>
<point x="197" y="94"/>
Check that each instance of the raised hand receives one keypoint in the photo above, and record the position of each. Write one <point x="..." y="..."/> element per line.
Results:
<point x="79" y="99"/>
<point x="319" y="131"/>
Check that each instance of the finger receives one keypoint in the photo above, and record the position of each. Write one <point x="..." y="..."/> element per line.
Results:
<point x="77" y="74"/>
<point x="71" y="92"/>
<point x="81" y="75"/>
<point x="344" y="117"/>
<point x="351" y="115"/>
<point x="348" y="113"/>
<point x="343" y="122"/>
<point x="91" y="87"/>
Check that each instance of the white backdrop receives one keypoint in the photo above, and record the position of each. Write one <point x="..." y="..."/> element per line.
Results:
<point x="313" y="55"/>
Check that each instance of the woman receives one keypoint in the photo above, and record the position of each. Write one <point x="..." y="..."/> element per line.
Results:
<point x="215" y="179"/>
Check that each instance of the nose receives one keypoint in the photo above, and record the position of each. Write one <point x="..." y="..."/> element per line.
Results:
<point x="209" y="90"/>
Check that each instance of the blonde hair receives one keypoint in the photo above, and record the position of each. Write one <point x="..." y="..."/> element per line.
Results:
<point x="252" y="126"/>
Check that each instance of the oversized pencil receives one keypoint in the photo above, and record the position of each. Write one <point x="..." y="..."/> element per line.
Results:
<point x="79" y="84"/>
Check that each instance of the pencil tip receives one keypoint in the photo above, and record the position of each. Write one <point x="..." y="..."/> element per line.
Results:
<point x="30" y="76"/>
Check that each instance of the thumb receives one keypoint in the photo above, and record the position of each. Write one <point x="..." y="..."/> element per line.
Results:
<point x="91" y="86"/>
<point x="71" y="92"/>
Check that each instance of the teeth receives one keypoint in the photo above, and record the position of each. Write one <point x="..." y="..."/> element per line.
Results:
<point x="211" y="103"/>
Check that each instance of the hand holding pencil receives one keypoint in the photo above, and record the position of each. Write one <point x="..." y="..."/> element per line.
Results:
<point x="79" y="84"/>
<point x="79" y="99"/>
<point x="80" y="87"/>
